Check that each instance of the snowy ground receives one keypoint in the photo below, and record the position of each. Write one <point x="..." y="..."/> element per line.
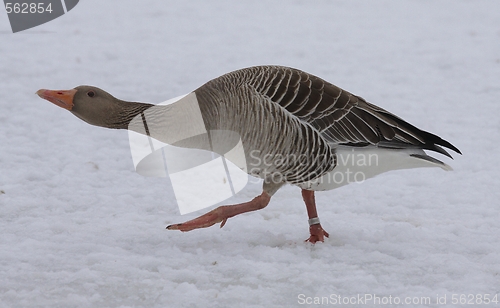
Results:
<point x="79" y="228"/>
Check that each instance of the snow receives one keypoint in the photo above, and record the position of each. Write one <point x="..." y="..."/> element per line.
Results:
<point x="80" y="228"/>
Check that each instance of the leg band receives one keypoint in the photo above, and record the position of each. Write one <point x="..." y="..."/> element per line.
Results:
<point x="313" y="221"/>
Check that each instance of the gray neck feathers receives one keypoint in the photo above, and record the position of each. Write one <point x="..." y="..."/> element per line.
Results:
<point x="179" y="124"/>
<point x="126" y="113"/>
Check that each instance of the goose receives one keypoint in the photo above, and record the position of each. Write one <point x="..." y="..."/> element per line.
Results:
<point x="280" y="114"/>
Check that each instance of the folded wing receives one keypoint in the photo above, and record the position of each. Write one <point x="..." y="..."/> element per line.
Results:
<point x="340" y="117"/>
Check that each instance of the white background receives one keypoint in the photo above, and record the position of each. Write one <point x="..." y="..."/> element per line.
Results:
<point x="79" y="228"/>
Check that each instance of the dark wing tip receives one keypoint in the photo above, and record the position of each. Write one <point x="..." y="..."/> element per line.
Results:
<point x="434" y="143"/>
<point x="450" y="146"/>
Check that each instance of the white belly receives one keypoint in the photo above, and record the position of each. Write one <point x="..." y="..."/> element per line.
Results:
<point x="357" y="164"/>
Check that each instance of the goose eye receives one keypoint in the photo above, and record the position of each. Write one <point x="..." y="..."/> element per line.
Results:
<point x="90" y="93"/>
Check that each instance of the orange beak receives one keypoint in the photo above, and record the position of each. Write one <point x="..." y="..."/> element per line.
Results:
<point x="61" y="98"/>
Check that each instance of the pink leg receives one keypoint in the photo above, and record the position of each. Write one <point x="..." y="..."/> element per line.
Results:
<point x="316" y="231"/>
<point x="222" y="213"/>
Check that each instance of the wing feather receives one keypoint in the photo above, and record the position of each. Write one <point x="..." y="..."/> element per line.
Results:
<point x="339" y="116"/>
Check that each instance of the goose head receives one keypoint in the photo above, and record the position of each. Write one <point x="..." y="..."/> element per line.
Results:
<point x="95" y="106"/>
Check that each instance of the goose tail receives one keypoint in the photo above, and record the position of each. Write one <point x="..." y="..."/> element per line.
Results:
<point x="433" y="161"/>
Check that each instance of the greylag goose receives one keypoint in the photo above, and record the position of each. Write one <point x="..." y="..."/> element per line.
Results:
<point x="277" y="112"/>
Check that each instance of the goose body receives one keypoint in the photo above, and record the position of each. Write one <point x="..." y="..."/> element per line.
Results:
<point x="294" y="128"/>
